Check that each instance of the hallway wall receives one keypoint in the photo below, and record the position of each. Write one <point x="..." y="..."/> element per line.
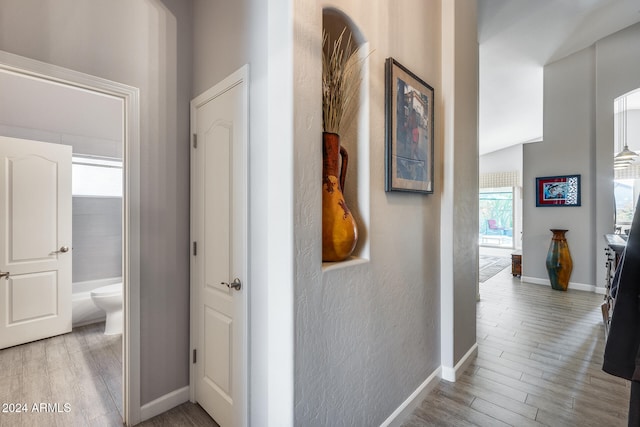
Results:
<point x="578" y="139"/>
<point x="145" y="44"/>
<point x="365" y="336"/>
<point x="227" y="35"/>
<point x="368" y="332"/>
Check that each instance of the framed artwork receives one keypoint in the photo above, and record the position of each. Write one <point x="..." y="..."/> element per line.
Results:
<point x="409" y="130"/>
<point x="561" y="190"/>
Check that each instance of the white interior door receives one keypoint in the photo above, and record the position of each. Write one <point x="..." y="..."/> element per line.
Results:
<point x="219" y="263"/>
<point x="35" y="240"/>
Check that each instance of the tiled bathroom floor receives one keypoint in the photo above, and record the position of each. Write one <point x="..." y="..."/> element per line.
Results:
<point x="68" y="380"/>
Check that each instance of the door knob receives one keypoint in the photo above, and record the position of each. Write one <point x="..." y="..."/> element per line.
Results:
<point x="5" y="275"/>
<point x="62" y="250"/>
<point x="236" y="284"/>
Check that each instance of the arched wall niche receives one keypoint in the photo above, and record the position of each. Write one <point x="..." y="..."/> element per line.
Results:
<point x="355" y="134"/>
<point x="334" y="21"/>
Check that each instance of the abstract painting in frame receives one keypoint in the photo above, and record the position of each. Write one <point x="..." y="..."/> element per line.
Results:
<point x="409" y="130"/>
<point x="561" y="190"/>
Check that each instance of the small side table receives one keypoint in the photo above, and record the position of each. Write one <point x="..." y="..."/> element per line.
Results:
<point x="516" y="264"/>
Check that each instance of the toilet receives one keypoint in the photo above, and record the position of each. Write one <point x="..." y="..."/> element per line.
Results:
<point x="109" y="299"/>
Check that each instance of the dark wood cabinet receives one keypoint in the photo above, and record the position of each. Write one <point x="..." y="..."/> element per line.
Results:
<point x="516" y="264"/>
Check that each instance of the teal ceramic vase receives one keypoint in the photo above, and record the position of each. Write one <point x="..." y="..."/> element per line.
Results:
<point x="559" y="262"/>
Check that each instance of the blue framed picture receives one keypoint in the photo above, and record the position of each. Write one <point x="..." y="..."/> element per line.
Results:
<point x="563" y="190"/>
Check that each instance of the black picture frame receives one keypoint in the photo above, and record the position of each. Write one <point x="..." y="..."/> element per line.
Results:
<point x="409" y="129"/>
<point x="558" y="191"/>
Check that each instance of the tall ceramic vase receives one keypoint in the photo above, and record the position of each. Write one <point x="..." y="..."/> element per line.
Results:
<point x="559" y="263"/>
<point x="339" y="230"/>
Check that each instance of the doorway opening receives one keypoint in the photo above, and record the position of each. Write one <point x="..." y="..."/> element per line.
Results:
<point x="626" y="166"/>
<point x="27" y="115"/>
<point x="496" y="217"/>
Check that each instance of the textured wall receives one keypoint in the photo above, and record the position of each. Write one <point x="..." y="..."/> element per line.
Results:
<point x="146" y="44"/>
<point x="566" y="149"/>
<point x="366" y="335"/>
<point x="578" y="138"/>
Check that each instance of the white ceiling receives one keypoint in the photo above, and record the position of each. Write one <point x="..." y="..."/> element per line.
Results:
<point x="517" y="38"/>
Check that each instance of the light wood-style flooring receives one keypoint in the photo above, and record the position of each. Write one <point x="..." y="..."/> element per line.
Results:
<point x="82" y="370"/>
<point x="186" y="415"/>
<point x="539" y="364"/>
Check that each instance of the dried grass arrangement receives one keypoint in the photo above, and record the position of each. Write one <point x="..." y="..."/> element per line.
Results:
<point x="340" y="80"/>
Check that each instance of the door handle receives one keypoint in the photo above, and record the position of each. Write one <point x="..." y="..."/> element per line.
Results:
<point x="62" y="250"/>
<point x="236" y="284"/>
<point x="5" y="275"/>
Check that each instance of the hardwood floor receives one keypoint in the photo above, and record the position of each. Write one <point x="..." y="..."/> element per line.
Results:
<point x="77" y="376"/>
<point x="82" y="370"/>
<point x="186" y="415"/>
<point x="539" y="364"/>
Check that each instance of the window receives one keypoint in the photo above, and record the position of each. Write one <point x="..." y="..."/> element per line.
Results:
<point x="496" y="217"/>
<point x="626" y="170"/>
<point x="626" y="195"/>
<point x="96" y="177"/>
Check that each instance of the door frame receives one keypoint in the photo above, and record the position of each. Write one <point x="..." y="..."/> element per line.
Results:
<point x="239" y="77"/>
<point x="130" y="97"/>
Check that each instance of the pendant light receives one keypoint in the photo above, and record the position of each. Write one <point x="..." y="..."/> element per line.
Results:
<point x="625" y="157"/>
<point x="621" y="164"/>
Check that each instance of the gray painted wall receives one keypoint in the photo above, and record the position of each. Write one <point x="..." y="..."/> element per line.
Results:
<point x="380" y="319"/>
<point x="567" y="149"/>
<point x="368" y="334"/>
<point x="464" y="185"/>
<point x="578" y="138"/>
<point x="506" y="160"/>
<point x="145" y="44"/>
<point x="227" y="35"/>
<point x="97" y="238"/>
<point x="221" y="35"/>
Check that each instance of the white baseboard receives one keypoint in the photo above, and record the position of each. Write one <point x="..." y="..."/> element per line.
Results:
<point x="572" y="285"/>
<point x="407" y="407"/>
<point x="451" y="374"/>
<point x="164" y="403"/>
<point x="413" y="401"/>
